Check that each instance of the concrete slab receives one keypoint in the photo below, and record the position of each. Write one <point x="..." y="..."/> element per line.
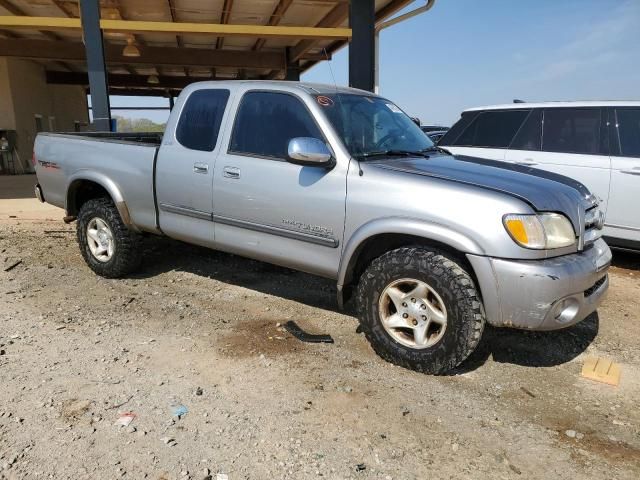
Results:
<point x="19" y="204"/>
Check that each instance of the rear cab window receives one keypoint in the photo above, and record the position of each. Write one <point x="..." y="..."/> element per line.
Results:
<point x="267" y="120"/>
<point x="200" y="119"/>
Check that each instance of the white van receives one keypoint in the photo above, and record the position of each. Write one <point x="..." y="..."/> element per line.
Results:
<point x="596" y="143"/>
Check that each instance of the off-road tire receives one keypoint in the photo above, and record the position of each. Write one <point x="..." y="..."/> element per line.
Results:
<point x="127" y="254"/>
<point x="465" y="312"/>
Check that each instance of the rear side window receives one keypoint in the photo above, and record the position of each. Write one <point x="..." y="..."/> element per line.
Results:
<point x="492" y="129"/>
<point x="628" y="122"/>
<point x="529" y="137"/>
<point x="267" y="121"/>
<point x="200" y="120"/>
<point x="571" y="130"/>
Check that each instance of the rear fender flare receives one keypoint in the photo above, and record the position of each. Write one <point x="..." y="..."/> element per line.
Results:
<point x="105" y="182"/>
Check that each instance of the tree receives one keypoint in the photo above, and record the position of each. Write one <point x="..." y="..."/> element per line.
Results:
<point x="126" y="125"/>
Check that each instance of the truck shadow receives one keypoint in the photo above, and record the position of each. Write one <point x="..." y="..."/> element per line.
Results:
<point x="163" y="255"/>
<point x="626" y="260"/>
<point x="525" y="348"/>
<point x="532" y="349"/>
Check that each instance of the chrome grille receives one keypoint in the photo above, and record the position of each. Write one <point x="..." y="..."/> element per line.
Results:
<point x="593" y="223"/>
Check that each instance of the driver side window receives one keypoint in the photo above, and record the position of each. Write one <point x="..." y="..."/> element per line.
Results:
<point x="267" y="121"/>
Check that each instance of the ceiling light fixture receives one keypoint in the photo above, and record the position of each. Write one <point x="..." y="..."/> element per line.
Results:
<point x="131" y="50"/>
<point x="153" y="79"/>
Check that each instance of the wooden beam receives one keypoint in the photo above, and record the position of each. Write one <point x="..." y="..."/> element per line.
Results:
<point x="274" y="19"/>
<point x="11" y="8"/>
<point x="130" y="26"/>
<point x="336" y="16"/>
<point x="149" y="56"/>
<point x="381" y="15"/>
<point x="144" y="92"/>
<point x="174" y="17"/>
<point x="63" y="8"/>
<point x="224" y="19"/>
<point x="119" y="80"/>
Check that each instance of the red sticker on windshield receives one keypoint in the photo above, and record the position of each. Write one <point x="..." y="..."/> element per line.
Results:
<point x="324" y="101"/>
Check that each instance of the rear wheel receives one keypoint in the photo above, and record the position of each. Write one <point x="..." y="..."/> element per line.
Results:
<point x="110" y="249"/>
<point x="420" y="309"/>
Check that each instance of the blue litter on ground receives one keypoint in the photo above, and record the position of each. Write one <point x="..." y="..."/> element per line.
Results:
<point x="179" y="410"/>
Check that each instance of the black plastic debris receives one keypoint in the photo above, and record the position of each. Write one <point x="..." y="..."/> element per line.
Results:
<point x="293" y="328"/>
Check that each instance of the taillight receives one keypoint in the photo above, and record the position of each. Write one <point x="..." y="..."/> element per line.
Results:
<point x="33" y="159"/>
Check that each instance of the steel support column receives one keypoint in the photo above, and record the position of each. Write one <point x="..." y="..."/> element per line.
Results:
<point x="362" y="47"/>
<point x="292" y="72"/>
<point x="94" y="47"/>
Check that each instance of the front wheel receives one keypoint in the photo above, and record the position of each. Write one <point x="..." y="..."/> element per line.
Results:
<point x="110" y="249"/>
<point x="420" y="309"/>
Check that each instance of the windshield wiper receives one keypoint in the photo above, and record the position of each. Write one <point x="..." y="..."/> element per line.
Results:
<point x="394" y="153"/>
<point x="436" y="148"/>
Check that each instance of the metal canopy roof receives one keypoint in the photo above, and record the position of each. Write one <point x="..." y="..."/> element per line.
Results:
<point x="180" y="41"/>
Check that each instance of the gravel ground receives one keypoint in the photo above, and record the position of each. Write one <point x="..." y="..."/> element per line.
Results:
<point x="192" y="347"/>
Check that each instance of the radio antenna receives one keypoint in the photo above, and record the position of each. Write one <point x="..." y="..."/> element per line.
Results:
<point x="335" y="85"/>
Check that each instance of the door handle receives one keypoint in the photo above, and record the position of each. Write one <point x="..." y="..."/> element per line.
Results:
<point x="231" y="172"/>
<point x="200" y="167"/>
<point x="634" y="171"/>
<point x="527" y="162"/>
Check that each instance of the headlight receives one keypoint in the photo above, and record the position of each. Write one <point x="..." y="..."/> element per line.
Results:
<point x="542" y="231"/>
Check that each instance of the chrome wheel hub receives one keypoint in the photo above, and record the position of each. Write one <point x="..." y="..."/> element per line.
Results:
<point x="100" y="240"/>
<point x="412" y="313"/>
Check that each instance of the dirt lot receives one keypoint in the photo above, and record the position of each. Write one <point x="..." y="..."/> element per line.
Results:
<point x="198" y="329"/>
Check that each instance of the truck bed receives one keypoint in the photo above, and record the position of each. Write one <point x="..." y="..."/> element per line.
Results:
<point x="121" y="163"/>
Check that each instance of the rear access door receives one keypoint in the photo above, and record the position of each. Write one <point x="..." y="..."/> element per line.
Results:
<point x="623" y="216"/>
<point x="184" y="168"/>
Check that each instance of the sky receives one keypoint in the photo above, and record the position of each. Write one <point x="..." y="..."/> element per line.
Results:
<point x="466" y="53"/>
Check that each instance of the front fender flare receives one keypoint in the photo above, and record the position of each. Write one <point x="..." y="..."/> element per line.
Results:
<point x="401" y="226"/>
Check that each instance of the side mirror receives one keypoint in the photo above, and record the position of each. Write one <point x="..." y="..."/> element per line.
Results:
<point x="416" y="120"/>
<point x="310" y="152"/>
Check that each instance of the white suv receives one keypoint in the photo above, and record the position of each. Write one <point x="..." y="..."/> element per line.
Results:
<point x="596" y="143"/>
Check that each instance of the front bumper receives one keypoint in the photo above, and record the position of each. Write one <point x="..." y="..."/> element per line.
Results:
<point x="543" y="294"/>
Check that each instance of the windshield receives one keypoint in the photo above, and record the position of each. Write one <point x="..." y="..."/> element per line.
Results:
<point x="372" y="125"/>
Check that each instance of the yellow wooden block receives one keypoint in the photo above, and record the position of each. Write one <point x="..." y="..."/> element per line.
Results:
<point x="601" y="370"/>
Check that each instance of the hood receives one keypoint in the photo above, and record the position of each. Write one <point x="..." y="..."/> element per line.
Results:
<point x="544" y="191"/>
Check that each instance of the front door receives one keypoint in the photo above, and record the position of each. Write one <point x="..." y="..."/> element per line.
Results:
<point x="623" y="216"/>
<point x="268" y="208"/>
<point x="184" y="169"/>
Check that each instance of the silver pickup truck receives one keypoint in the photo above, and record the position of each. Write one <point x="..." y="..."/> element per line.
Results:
<point x="341" y="183"/>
